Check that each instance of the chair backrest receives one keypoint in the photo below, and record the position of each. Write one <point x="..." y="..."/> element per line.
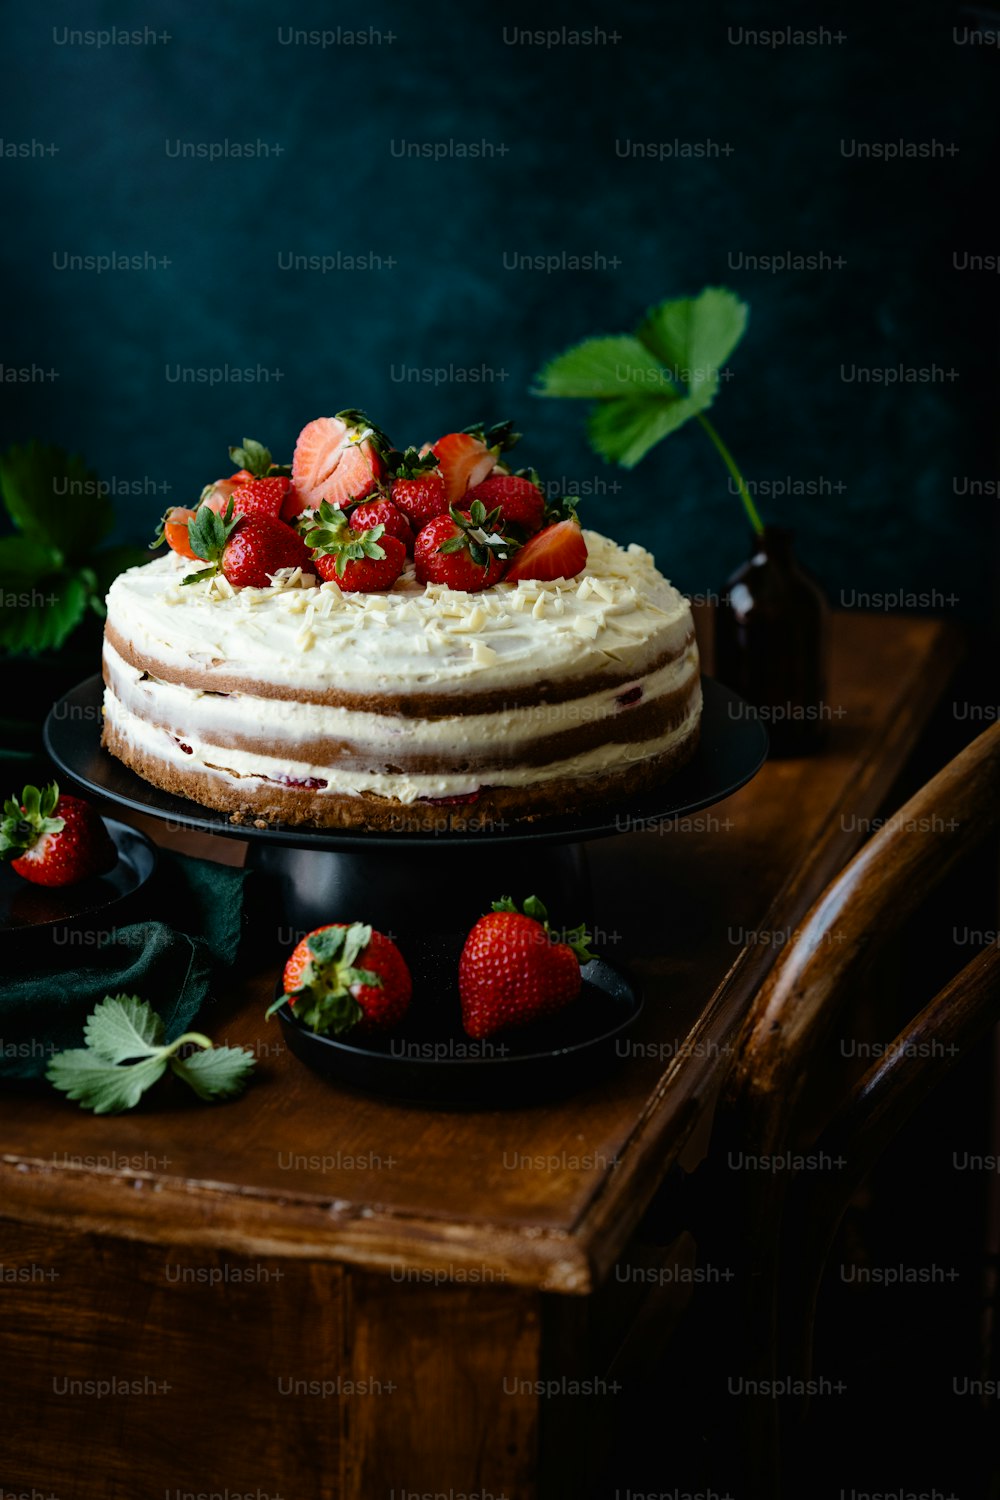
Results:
<point x="781" y="1228"/>
<point x="812" y="980"/>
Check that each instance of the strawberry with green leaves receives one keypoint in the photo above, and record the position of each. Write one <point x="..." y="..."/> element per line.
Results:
<point x="54" y="840"/>
<point x="362" y="562"/>
<point x="246" y="550"/>
<point x="463" y="549"/>
<point x="347" y="975"/>
<point x="518" y="496"/>
<point x="416" y="485"/>
<point x="254" y="462"/>
<point x="515" y="970"/>
<point x="466" y="458"/>
<point x="381" y="512"/>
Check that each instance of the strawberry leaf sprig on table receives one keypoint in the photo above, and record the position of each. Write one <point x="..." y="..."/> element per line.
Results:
<point x="648" y="384"/>
<point x="125" y="1054"/>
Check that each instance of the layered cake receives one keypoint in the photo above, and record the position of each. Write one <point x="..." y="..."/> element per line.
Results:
<point x="479" y="687"/>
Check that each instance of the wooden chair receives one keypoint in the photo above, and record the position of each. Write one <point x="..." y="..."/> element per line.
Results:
<point x="784" y="1225"/>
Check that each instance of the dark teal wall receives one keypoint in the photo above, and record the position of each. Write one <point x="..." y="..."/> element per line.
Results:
<point x="891" y="462"/>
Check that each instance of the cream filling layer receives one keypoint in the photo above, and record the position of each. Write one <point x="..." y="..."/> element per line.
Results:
<point x="406" y="788"/>
<point x="620" y="610"/>
<point x="192" y="711"/>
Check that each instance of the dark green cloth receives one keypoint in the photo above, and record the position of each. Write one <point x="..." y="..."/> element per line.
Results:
<point x="169" y="964"/>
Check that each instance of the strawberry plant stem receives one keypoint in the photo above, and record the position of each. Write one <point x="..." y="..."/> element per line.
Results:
<point x="730" y="463"/>
<point x="189" y="1036"/>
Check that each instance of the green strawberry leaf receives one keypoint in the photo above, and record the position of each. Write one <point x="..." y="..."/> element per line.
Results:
<point x="501" y="435"/>
<point x="411" y="464"/>
<point x="43" y="617"/>
<point x="252" y="456"/>
<point x="105" y="1087"/>
<point x="329" y="1013"/>
<point x="578" y="938"/>
<point x="356" y="940"/>
<point x="126" y="1054"/>
<point x="123" y="1027"/>
<point x="694" y="337"/>
<point x="624" y="430"/>
<point x="53" y="498"/>
<point x="218" y="1073"/>
<point x="605" y="368"/>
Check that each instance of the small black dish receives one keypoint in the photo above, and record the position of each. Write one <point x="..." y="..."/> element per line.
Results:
<point x="429" y="1060"/>
<point x="47" y="923"/>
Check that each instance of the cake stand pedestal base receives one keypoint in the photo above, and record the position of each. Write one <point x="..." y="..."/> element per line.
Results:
<point x="414" y="892"/>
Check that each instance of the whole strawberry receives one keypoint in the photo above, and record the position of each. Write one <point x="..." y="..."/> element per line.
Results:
<point x="261" y="497"/>
<point x="362" y="562"/>
<point x="346" y="975"/>
<point x="520" y="501"/>
<point x="416" y="486"/>
<point x="174" y="531"/>
<point x="247" y="550"/>
<point x="463" y="549"/>
<point x="383" y="513"/>
<point x="253" y="461"/>
<point x="53" y="840"/>
<point x="514" y="971"/>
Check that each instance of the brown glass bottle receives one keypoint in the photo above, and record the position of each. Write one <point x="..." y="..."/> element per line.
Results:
<point x="771" y="641"/>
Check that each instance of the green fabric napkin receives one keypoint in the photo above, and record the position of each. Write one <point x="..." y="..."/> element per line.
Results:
<point x="169" y="964"/>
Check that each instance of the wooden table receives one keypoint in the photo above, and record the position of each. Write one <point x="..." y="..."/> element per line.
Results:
<point x="316" y="1294"/>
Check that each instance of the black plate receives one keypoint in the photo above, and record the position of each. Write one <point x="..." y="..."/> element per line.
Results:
<point x="430" y="1060"/>
<point x="732" y="750"/>
<point x="69" y="919"/>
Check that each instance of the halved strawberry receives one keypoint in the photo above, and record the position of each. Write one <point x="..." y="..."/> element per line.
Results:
<point x="337" y="459"/>
<point x="557" y="552"/>
<point x="465" y="458"/>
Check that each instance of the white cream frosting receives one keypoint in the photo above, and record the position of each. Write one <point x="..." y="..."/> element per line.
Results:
<point x="213" y="719"/>
<point x="619" y="612"/>
<point x="406" y="788"/>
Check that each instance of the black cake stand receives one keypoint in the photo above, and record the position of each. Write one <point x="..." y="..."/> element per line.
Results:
<point x="408" y="882"/>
